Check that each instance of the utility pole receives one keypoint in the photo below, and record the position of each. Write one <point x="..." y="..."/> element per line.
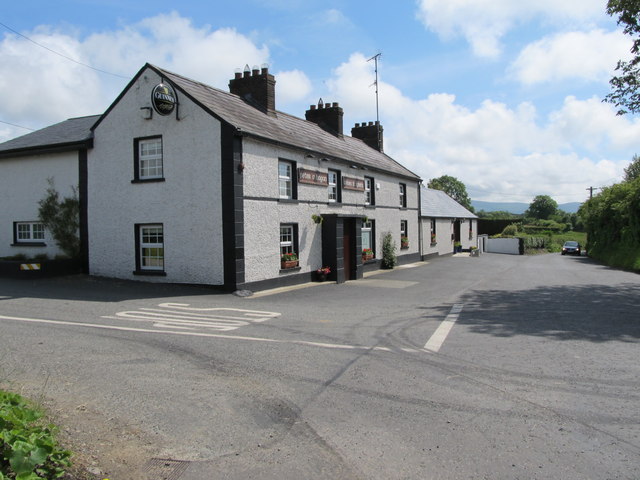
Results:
<point x="591" y="189"/>
<point x="375" y="59"/>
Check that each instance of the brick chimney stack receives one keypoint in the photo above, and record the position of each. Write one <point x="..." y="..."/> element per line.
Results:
<point x="327" y="116"/>
<point x="258" y="87"/>
<point x="370" y="134"/>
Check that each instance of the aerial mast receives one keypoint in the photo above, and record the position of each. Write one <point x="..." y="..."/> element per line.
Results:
<point x="375" y="59"/>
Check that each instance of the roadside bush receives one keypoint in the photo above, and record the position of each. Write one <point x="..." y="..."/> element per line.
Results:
<point x="389" y="258"/>
<point x="510" y="230"/>
<point x="536" y="243"/>
<point x="28" y="449"/>
<point x="612" y="220"/>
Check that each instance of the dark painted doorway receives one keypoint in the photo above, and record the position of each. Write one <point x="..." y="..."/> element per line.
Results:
<point x="347" y="239"/>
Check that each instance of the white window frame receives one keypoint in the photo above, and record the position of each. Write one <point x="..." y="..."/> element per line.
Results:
<point x="367" y="231"/>
<point x="286" y="239"/>
<point x="403" y="228"/>
<point x="332" y="180"/>
<point x="403" y="195"/>
<point x="285" y="179"/>
<point x="29" y="232"/>
<point x="368" y="186"/>
<point x="149" y="260"/>
<point x="150" y="165"/>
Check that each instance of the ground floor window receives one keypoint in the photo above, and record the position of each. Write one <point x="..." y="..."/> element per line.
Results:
<point x="368" y="237"/>
<point x="150" y="251"/>
<point x="288" y="242"/>
<point x="28" y="232"/>
<point x="433" y="230"/>
<point x="404" y="236"/>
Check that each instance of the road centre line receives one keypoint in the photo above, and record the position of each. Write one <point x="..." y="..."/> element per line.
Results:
<point x="197" y="334"/>
<point x="441" y="333"/>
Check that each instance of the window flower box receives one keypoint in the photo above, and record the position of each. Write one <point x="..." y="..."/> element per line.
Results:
<point x="404" y="242"/>
<point x="288" y="260"/>
<point x="367" y="254"/>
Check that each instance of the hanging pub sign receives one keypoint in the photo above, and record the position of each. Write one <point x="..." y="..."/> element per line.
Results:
<point x="350" y="183"/>
<point x="312" y="177"/>
<point x="163" y="99"/>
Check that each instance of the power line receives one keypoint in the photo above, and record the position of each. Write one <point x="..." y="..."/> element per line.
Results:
<point x="60" y="54"/>
<point x="19" y="126"/>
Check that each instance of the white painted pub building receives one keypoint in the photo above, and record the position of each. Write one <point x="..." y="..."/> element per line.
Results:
<point x="180" y="182"/>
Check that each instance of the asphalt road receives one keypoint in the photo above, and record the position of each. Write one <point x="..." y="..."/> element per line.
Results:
<point x="497" y="367"/>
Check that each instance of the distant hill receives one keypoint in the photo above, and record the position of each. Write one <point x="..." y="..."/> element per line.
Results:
<point x="517" y="207"/>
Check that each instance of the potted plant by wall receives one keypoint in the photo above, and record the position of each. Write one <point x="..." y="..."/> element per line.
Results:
<point x="322" y="273"/>
<point x="367" y="254"/>
<point x="474" y="252"/>
<point x="404" y="242"/>
<point x="457" y="247"/>
<point x="288" y="260"/>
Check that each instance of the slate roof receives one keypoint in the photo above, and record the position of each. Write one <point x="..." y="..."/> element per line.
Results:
<point x="436" y="203"/>
<point x="67" y="135"/>
<point x="282" y="127"/>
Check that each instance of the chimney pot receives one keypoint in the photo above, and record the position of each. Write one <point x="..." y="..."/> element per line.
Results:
<point x="258" y="89"/>
<point x="327" y="116"/>
<point x="368" y="133"/>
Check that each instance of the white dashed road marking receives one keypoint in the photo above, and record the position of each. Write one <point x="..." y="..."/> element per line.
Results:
<point x="441" y="333"/>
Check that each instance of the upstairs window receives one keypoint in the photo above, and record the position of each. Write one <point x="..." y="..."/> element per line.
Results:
<point x="148" y="159"/>
<point x="369" y="191"/>
<point x="335" y="193"/>
<point x="403" y="195"/>
<point x="286" y="179"/>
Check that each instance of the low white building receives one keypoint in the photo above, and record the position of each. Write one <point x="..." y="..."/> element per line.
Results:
<point x="445" y="223"/>
<point x="184" y="183"/>
<point x="57" y="153"/>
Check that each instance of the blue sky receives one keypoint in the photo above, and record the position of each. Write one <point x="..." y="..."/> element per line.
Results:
<point x="505" y="96"/>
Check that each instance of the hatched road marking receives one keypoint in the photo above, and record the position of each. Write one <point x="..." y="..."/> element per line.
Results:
<point x="182" y="316"/>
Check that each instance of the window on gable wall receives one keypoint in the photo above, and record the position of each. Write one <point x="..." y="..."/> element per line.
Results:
<point x="28" y="232"/>
<point x="148" y="159"/>
<point x="150" y="255"/>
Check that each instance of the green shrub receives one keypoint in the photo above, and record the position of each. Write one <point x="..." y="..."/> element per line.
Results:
<point x="389" y="258"/>
<point x="510" y="230"/>
<point x="28" y="449"/>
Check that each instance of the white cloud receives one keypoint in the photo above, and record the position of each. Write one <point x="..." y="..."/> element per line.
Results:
<point x="291" y="86"/>
<point x="49" y="88"/>
<point x="484" y="22"/>
<point x="572" y="55"/>
<point x="499" y="152"/>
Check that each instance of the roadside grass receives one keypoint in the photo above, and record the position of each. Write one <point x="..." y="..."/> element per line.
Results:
<point x="28" y="445"/>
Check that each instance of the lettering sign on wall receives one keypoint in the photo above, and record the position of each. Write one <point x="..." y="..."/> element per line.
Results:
<point x="312" y="177"/>
<point x="163" y="99"/>
<point x="350" y="183"/>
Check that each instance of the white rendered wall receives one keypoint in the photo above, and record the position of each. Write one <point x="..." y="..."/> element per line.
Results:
<point x="263" y="212"/>
<point x="188" y="203"/>
<point x="23" y="183"/>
